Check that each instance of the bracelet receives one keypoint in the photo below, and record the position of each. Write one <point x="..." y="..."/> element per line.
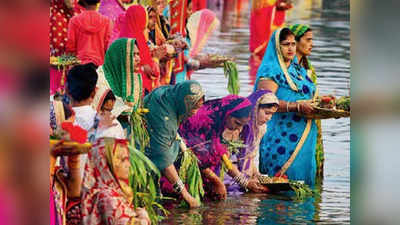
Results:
<point x="241" y="180"/>
<point x="298" y="107"/>
<point x="287" y="106"/>
<point x="179" y="186"/>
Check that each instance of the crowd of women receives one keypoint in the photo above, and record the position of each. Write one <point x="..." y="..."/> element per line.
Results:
<point x="127" y="65"/>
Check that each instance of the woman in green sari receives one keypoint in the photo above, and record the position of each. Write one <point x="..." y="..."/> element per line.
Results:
<point x="304" y="44"/>
<point x="168" y="107"/>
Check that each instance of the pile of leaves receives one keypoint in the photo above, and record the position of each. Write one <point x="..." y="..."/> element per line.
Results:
<point x="139" y="134"/>
<point x="144" y="179"/>
<point x="301" y="190"/>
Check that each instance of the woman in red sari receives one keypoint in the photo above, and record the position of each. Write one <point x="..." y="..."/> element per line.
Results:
<point x="266" y="16"/>
<point x="133" y="24"/>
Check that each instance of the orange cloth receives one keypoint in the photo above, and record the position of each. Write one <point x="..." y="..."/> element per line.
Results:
<point x="88" y="36"/>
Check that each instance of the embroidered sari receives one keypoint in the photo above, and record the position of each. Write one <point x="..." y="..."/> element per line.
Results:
<point x="119" y="71"/>
<point x="288" y="131"/>
<point x="168" y="107"/>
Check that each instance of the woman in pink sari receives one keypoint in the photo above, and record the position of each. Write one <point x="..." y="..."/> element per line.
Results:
<point x="207" y="134"/>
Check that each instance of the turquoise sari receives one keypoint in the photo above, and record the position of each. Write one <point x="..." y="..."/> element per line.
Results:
<point x="168" y="106"/>
<point x="182" y="76"/>
<point x="285" y="130"/>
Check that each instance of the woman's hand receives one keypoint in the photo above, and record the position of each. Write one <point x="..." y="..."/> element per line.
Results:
<point x="193" y="203"/>
<point x="305" y="108"/>
<point x="220" y="190"/>
<point x="255" y="186"/>
<point x="147" y="70"/>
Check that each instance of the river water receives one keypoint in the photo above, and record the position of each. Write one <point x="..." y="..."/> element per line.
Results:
<point x="330" y="21"/>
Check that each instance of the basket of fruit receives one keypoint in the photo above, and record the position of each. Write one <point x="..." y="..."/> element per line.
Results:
<point x="275" y="184"/>
<point x="327" y="107"/>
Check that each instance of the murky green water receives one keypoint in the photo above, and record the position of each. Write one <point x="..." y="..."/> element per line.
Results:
<point x="330" y="21"/>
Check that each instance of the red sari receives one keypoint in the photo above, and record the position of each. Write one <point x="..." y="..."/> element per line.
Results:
<point x="133" y="24"/>
<point x="265" y="18"/>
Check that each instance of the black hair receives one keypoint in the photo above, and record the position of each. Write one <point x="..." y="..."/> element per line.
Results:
<point x="285" y="32"/>
<point x="268" y="105"/>
<point x="109" y="96"/>
<point x="151" y="9"/>
<point x="81" y="81"/>
<point x="68" y="111"/>
<point x="88" y="2"/>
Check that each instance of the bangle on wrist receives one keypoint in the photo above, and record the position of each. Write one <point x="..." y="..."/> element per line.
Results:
<point x="241" y="180"/>
<point x="287" y="106"/>
<point x="298" y="107"/>
<point x="179" y="186"/>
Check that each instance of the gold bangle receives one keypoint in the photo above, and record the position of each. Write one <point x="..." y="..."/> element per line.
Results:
<point x="287" y="106"/>
<point x="298" y="107"/>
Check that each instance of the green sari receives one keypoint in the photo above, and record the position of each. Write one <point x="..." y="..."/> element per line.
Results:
<point x="119" y="70"/>
<point x="168" y="107"/>
<point x="319" y="152"/>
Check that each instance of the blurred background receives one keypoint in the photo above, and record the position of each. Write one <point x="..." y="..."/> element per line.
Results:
<point x="24" y="98"/>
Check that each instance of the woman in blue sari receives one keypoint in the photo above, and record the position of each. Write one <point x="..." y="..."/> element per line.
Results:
<point x="288" y="148"/>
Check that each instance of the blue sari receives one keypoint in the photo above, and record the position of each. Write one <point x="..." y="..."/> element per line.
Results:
<point x="285" y="130"/>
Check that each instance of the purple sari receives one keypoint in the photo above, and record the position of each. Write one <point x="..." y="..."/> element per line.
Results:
<point x="250" y="130"/>
<point x="203" y="131"/>
<point x="248" y="135"/>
